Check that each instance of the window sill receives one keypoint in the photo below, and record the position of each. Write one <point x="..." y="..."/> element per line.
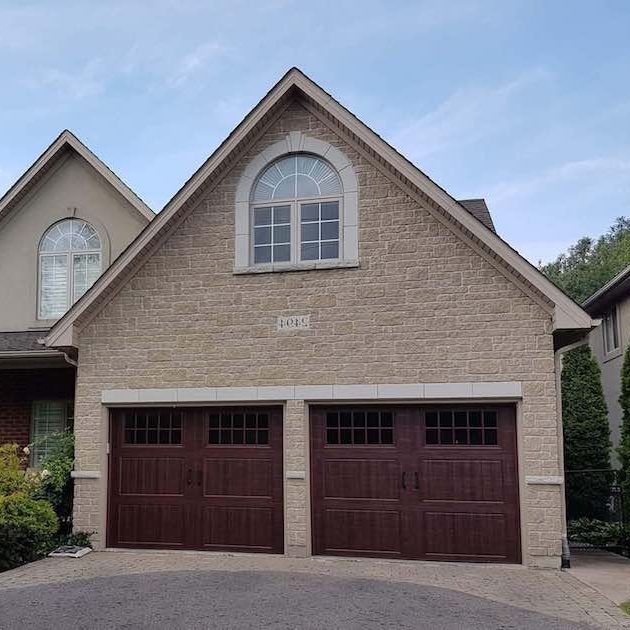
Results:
<point x="301" y="266"/>
<point x="613" y="354"/>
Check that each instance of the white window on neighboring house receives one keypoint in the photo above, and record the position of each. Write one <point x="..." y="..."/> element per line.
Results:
<point x="69" y="264"/>
<point x="610" y="328"/>
<point x="50" y="417"/>
<point x="296" y="206"/>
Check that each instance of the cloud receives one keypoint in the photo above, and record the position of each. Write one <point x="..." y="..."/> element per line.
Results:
<point x="600" y="167"/>
<point x="86" y="82"/>
<point x="194" y="61"/>
<point x="466" y="116"/>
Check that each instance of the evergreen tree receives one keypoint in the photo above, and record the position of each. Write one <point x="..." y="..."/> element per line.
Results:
<point x="587" y="443"/>
<point x="623" y="450"/>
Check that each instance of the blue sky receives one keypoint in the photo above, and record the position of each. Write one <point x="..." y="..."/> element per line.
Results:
<point x="524" y="102"/>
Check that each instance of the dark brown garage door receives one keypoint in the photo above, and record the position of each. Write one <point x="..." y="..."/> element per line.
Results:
<point x="436" y="483"/>
<point x="196" y="479"/>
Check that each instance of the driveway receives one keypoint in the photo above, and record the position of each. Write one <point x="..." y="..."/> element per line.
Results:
<point x="192" y="590"/>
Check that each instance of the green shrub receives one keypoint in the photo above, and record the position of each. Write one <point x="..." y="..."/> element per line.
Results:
<point x="80" y="539"/>
<point x="586" y="435"/>
<point x="623" y="450"/>
<point x="27" y="529"/>
<point x="597" y="533"/>
<point x="13" y="474"/>
<point x="56" y="484"/>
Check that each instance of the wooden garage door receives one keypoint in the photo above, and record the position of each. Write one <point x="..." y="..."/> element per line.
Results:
<point x="409" y="482"/>
<point x="196" y="479"/>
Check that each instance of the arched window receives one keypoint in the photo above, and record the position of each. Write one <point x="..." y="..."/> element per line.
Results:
<point x="69" y="264"/>
<point x="296" y="211"/>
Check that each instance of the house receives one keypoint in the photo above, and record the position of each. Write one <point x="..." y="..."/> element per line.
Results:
<point x="314" y="349"/>
<point x="611" y="304"/>
<point x="62" y="223"/>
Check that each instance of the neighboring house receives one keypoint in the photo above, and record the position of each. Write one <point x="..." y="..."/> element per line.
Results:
<point x="608" y="342"/>
<point x="313" y="348"/>
<point x="61" y="225"/>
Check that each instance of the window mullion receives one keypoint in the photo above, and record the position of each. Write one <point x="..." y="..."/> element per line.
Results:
<point x="295" y="231"/>
<point x="70" y="297"/>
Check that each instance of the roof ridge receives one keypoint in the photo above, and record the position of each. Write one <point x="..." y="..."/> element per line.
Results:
<point x="67" y="139"/>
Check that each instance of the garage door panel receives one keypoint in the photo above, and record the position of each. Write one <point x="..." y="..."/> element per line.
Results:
<point x="151" y="476"/>
<point x="366" y="532"/>
<point x="461" y="535"/>
<point x="207" y="478"/>
<point x="361" y="479"/>
<point x="149" y="524"/>
<point x="238" y="527"/>
<point x="441" y="484"/>
<point x="238" y="477"/>
<point x="462" y="480"/>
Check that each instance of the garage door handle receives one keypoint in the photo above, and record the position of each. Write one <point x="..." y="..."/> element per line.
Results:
<point x="417" y="481"/>
<point x="189" y="479"/>
<point x="404" y="481"/>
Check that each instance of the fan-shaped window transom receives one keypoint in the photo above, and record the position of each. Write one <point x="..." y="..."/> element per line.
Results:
<point x="299" y="176"/>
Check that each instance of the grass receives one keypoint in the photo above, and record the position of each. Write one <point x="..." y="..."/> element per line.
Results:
<point x="625" y="607"/>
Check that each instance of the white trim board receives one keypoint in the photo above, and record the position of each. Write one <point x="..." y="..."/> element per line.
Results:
<point x="385" y="391"/>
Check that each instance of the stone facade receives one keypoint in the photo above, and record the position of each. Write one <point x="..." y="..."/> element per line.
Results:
<point x="423" y="307"/>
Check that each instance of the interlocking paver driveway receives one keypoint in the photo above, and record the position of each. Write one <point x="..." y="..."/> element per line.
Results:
<point x="188" y="589"/>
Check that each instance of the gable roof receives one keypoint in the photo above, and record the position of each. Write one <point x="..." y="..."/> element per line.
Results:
<point x="614" y="290"/>
<point x="66" y="142"/>
<point x="567" y="315"/>
<point x="479" y="209"/>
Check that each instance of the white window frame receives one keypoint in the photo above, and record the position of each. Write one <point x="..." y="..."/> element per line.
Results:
<point x="296" y="228"/>
<point x="68" y="406"/>
<point x="610" y="324"/>
<point x="297" y="142"/>
<point x="69" y="256"/>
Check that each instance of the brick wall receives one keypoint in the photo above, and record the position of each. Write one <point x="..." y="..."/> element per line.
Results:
<point x="19" y="388"/>
<point x="423" y="307"/>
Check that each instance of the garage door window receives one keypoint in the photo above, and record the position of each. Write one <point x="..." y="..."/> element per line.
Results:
<point x="359" y="427"/>
<point x="153" y="427"/>
<point x="461" y="428"/>
<point x="250" y="428"/>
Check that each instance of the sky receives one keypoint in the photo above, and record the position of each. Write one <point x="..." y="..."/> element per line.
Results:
<point x="523" y="102"/>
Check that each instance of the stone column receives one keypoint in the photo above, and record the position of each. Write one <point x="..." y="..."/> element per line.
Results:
<point x="297" y="483"/>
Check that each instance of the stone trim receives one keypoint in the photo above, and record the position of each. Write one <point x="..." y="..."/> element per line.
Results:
<point x="297" y="141"/>
<point x="301" y="266"/>
<point x="295" y="474"/>
<point x="386" y="391"/>
<point x="85" y="474"/>
<point x="544" y="480"/>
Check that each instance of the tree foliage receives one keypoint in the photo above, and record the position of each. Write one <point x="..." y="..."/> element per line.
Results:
<point x="590" y="263"/>
<point x="587" y="443"/>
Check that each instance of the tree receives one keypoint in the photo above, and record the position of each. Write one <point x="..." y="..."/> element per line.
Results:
<point x="587" y="443"/>
<point x="623" y="450"/>
<point x="590" y="263"/>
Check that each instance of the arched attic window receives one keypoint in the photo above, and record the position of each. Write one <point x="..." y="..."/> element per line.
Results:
<point x="296" y="207"/>
<point x="69" y="264"/>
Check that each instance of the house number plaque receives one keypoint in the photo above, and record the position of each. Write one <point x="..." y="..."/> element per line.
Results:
<point x="293" y="322"/>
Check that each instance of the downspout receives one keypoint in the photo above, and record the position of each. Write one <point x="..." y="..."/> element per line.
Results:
<point x="67" y="359"/>
<point x="557" y="358"/>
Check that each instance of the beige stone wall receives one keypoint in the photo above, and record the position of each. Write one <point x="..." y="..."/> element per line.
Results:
<point x="423" y="307"/>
